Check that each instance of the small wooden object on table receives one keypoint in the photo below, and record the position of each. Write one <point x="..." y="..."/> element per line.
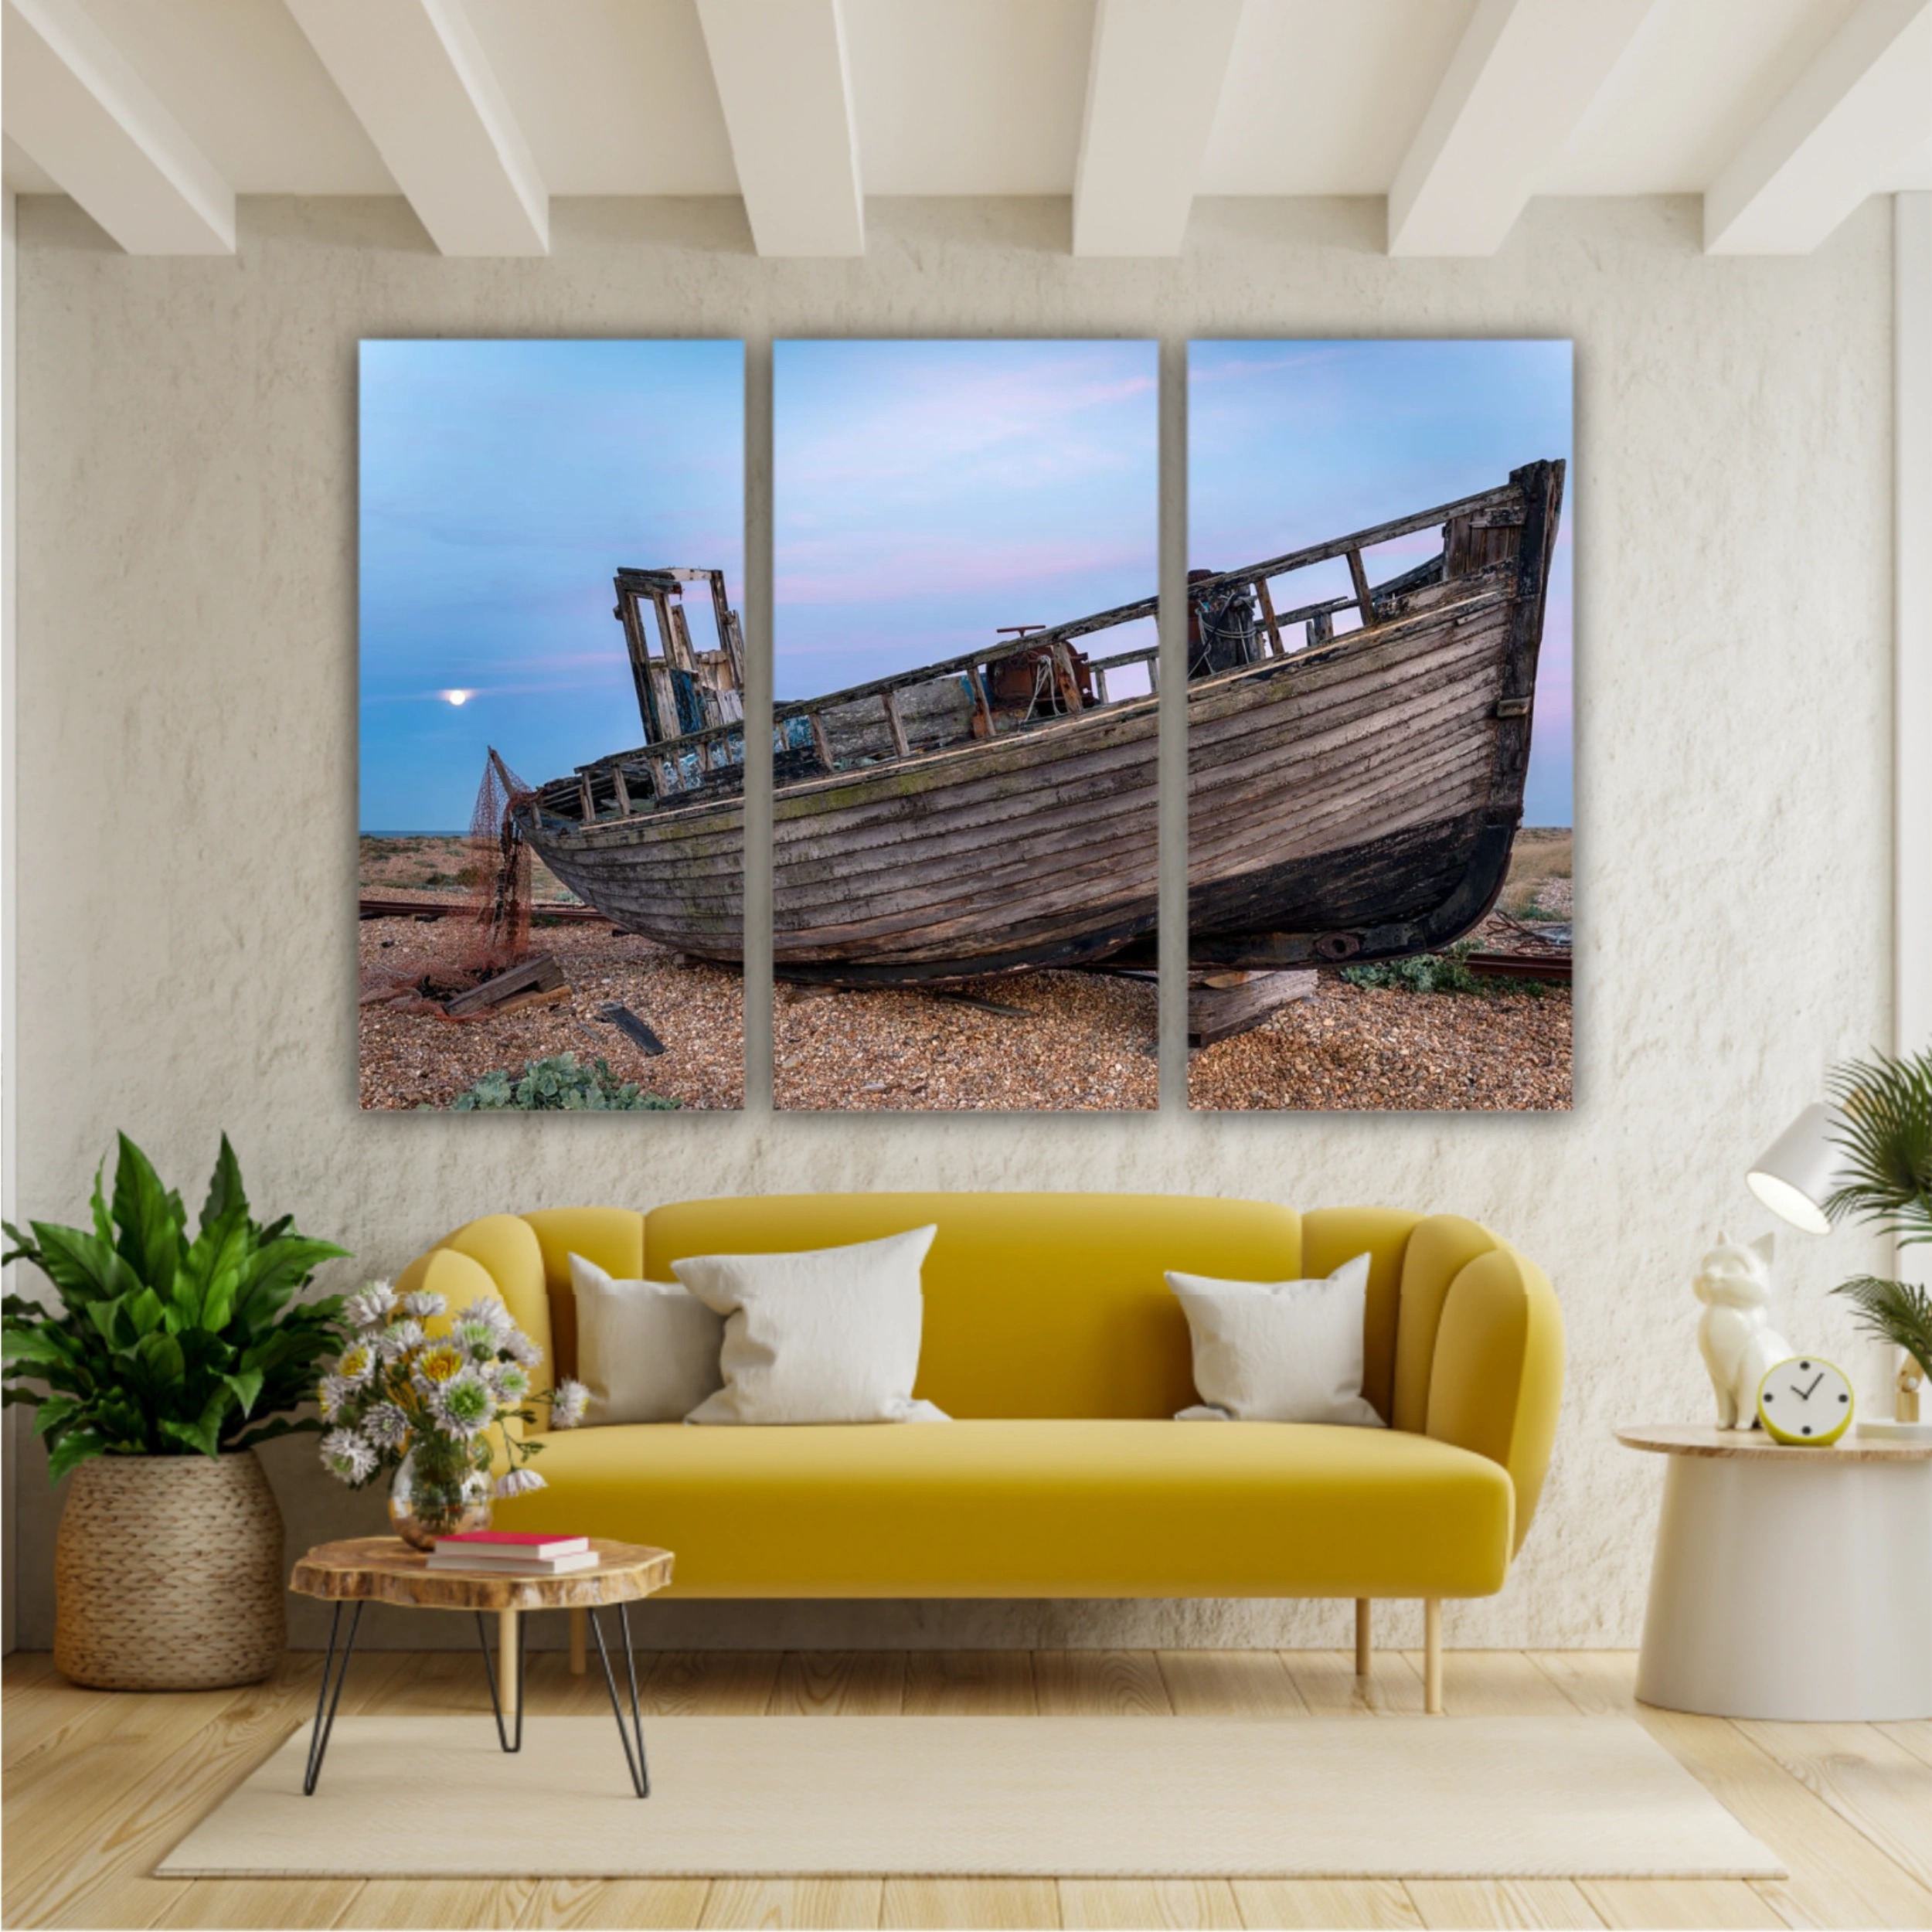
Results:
<point x="1789" y="1582"/>
<point x="386" y="1569"/>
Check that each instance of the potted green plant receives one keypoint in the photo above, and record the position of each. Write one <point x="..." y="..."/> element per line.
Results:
<point x="164" y="1360"/>
<point x="1884" y="1137"/>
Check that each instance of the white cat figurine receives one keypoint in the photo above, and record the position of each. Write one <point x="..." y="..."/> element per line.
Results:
<point x="1734" y="1284"/>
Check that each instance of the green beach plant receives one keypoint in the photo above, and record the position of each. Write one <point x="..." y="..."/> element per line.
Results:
<point x="563" y="1084"/>
<point x="1443" y="972"/>
<point x="164" y="1343"/>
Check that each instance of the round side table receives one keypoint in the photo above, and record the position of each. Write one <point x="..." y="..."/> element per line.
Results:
<point x="1793" y="1583"/>
<point x="386" y="1569"/>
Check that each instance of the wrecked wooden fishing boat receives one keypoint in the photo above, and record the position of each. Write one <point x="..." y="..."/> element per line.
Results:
<point x="1354" y="787"/>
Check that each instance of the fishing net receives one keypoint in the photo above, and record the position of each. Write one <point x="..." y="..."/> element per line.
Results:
<point x="499" y="870"/>
<point x="486" y="927"/>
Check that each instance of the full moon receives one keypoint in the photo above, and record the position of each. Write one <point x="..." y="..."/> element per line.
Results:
<point x="458" y="698"/>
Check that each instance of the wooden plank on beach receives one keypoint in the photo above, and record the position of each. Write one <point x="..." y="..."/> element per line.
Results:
<point x="1222" y="1004"/>
<point x="632" y="1028"/>
<point x="538" y="974"/>
<point x="528" y="1002"/>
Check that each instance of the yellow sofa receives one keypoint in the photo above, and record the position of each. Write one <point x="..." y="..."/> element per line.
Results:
<point x="1050" y="1335"/>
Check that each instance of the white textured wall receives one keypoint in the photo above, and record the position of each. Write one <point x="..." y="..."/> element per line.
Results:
<point x="187" y="762"/>
<point x="10" y="1432"/>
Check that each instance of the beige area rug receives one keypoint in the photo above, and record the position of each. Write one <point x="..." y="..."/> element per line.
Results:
<point x="1072" y="1797"/>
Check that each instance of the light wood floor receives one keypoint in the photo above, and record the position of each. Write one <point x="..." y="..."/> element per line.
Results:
<point x="98" y="1787"/>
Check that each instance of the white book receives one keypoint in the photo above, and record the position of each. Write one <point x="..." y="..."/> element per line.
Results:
<point x="512" y="1566"/>
<point x="510" y="1544"/>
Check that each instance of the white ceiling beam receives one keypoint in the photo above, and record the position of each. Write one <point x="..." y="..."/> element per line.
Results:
<point x="1522" y="78"/>
<point x="1857" y="109"/>
<point x="414" y="73"/>
<point x="1154" y="83"/>
<point x="785" y="85"/>
<point x="76" y="108"/>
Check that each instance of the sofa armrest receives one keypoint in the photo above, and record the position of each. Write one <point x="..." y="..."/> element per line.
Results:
<point x="496" y="1256"/>
<point x="1497" y="1378"/>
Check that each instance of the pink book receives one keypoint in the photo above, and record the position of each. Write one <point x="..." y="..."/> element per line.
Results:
<point x="513" y="1543"/>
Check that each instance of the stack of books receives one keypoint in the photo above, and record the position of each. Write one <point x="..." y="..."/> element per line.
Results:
<point x="513" y="1553"/>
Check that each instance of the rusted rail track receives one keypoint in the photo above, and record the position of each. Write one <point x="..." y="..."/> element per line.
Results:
<point x="1553" y="967"/>
<point x="456" y="908"/>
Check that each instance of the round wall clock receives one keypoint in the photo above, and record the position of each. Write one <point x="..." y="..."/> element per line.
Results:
<point x="1805" y="1401"/>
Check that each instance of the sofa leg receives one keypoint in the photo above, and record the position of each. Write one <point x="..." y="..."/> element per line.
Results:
<point x="1362" y="1636"/>
<point x="1432" y="1655"/>
<point x="579" y="1624"/>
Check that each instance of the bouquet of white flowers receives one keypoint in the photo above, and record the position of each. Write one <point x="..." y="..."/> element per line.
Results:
<point x="398" y="1398"/>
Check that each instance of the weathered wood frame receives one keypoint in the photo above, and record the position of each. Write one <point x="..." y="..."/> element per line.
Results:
<point x="663" y="590"/>
<point x="650" y="773"/>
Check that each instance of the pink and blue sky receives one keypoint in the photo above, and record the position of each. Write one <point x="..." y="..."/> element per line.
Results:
<point x="1291" y="443"/>
<point x="927" y="492"/>
<point x="502" y="484"/>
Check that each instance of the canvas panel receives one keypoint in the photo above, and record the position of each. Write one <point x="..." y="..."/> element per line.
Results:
<point x="552" y="726"/>
<point x="965" y="836"/>
<point x="1379" y="644"/>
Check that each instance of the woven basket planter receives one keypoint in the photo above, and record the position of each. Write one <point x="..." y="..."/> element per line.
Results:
<point x="168" y="1573"/>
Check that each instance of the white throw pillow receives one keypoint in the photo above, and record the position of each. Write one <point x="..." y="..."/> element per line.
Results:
<point x="648" y="1351"/>
<point x="830" y="1334"/>
<point x="1278" y="1351"/>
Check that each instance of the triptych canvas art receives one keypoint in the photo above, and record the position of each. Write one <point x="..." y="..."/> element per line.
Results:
<point x="964" y="731"/>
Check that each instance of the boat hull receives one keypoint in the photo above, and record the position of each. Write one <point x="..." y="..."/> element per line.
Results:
<point x="1355" y="800"/>
<point x="1360" y="801"/>
<point x="1341" y="804"/>
<point x="1034" y="850"/>
<point x="677" y="877"/>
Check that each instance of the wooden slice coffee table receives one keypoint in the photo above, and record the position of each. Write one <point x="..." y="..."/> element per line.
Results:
<point x="386" y="1569"/>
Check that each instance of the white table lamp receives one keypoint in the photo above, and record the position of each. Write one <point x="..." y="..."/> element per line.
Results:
<point x="1799" y="1172"/>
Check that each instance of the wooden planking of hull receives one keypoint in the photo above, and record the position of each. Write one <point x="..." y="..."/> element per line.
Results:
<point x="1028" y="851"/>
<point x="1356" y="799"/>
<point x="1360" y="801"/>
<point x="681" y="885"/>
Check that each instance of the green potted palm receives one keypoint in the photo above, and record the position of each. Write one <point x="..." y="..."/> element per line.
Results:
<point x="1884" y="1139"/>
<point x="164" y="1358"/>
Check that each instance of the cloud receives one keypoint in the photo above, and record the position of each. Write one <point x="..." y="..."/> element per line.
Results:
<point x="932" y="568"/>
<point x="951" y="419"/>
<point x="502" y="484"/>
<point x="926" y="492"/>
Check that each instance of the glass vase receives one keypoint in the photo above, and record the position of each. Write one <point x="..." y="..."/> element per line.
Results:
<point x="440" y="1489"/>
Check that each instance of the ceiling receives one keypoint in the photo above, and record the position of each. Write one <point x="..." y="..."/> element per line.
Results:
<point x="1785" y="114"/>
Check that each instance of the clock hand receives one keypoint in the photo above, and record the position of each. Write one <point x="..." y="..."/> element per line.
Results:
<point x="1804" y="1395"/>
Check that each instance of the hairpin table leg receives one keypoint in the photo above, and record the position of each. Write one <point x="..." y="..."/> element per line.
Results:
<point x="640" y="1775"/>
<point x="325" y="1702"/>
<point x="512" y="1739"/>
